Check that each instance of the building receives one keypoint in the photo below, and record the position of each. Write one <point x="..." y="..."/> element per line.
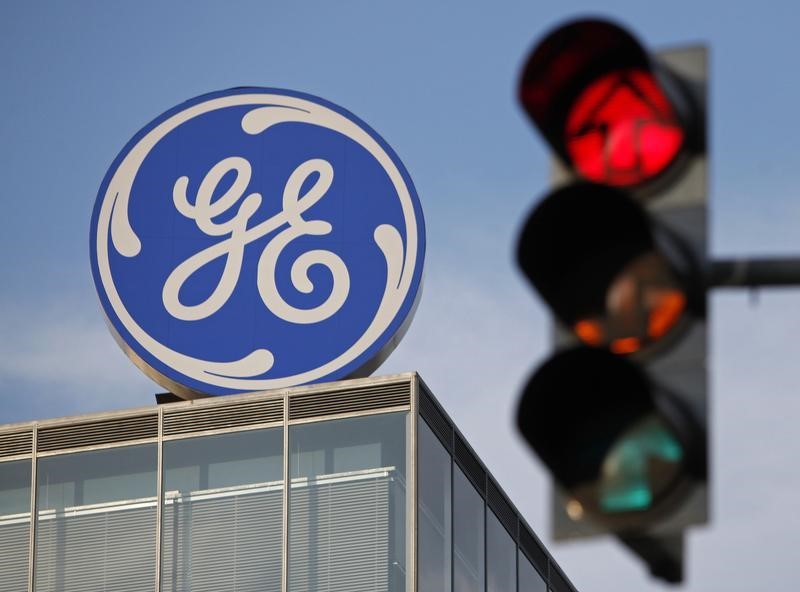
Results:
<point x="385" y="495"/>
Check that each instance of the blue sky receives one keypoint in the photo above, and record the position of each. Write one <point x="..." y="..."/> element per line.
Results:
<point x="437" y="81"/>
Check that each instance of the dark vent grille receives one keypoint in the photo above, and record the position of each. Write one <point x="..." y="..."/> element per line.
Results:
<point x="502" y="508"/>
<point x="558" y="583"/>
<point x="13" y="444"/>
<point x="348" y="401"/>
<point x="98" y="432"/>
<point x="469" y="464"/>
<point x="435" y="419"/>
<point x="184" y="420"/>
<point x="533" y="550"/>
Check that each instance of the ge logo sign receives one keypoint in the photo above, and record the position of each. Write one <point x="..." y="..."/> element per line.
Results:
<point x="256" y="238"/>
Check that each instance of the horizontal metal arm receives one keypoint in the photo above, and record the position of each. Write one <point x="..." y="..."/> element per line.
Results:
<point x="750" y="273"/>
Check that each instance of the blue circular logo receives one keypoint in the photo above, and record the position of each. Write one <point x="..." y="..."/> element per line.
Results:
<point x="256" y="238"/>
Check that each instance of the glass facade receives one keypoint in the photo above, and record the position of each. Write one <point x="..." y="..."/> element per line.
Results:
<point x="347" y="504"/>
<point x="96" y="520"/>
<point x="462" y="543"/>
<point x="529" y="579"/>
<point x="222" y="512"/>
<point x="15" y="519"/>
<point x="501" y="557"/>
<point x="469" y="537"/>
<point x="434" y="512"/>
<point x="332" y="491"/>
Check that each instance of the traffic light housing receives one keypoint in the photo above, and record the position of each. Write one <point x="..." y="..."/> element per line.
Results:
<point x="617" y="251"/>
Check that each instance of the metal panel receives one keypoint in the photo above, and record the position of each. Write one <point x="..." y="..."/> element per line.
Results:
<point x="435" y="419"/>
<point x="96" y="433"/>
<point x="34" y="505"/>
<point x="159" y="499"/>
<point x="502" y="508"/>
<point x="412" y="487"/>
<point x="469" y="464"/>
<point x="183" y="420"/>
<point x="365" y="398"/>
<point x="15" y="444"/>
<point x="285" y="499"/>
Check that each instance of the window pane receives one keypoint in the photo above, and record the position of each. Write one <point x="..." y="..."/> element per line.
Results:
<point x="468" y="535"/>
<point x="222" y="523"/>
<point x="501" y="557"/>
<point x="96" y="521"/>
<point x="529" y="578"/>
<point x="15" y="521"/>
<point x="433" y="470"/>
<point x="347" y="505"/>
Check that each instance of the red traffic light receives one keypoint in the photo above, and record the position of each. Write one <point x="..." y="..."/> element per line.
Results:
<point x="611" y="274"/>
<point x="612" y="115"/>
<point x="622" y="130"/>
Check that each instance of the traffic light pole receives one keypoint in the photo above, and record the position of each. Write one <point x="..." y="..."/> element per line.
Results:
<point x="753" y="273"/>
<point x="663" y="555"/>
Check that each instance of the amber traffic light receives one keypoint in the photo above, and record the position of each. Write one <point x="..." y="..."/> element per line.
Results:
<point x="607" y="270"/>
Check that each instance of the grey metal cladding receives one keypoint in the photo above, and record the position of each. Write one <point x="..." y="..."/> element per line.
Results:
<point x="94" y="433"/>
<point x="14" y="444"/>
<point x="502" y="508"/>
<point x="183" y="420"/>
<point x="533" y="550"/>
<point x="469" y="464"/>
<point x="351" y="400"/>
<point x="435" y="418"/>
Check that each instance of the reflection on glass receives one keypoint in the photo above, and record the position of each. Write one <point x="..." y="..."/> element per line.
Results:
<point x="15" y="520"/>
<point x="501" y="557"/>
<point x="222" y="520"/>
<point x="529" y="578"/>
<point x="468" y="535"/>
<point x="96" y="521"/>
<point x="347" y="505"/>
<point x="433" y="472"/>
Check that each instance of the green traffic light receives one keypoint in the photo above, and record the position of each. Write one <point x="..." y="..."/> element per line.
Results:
<point x="642" y="465"/>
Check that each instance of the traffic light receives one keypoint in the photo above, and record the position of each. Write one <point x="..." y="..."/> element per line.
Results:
<point x="617" y="251"/>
